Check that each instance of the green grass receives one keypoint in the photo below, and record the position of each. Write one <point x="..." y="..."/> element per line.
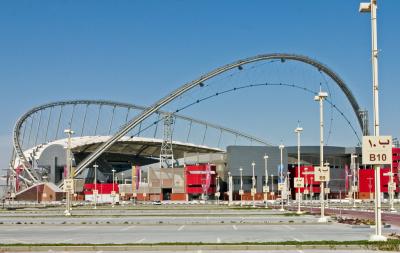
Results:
<point x="390" y="245"/>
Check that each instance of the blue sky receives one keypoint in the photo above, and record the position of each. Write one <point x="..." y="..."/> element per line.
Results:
<point x="138" y="51"/>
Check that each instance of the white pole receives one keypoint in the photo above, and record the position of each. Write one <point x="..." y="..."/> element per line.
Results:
<point x="95" y="185"/>
<point x="391" y="191"/>
<point x="298" y="131"/>
<point x="241" y="186"/>
<point x="217" y="190"/>
<point x="353" y="165"/>
<point x="253" y="188"/>
<point x="281" y="147"/>
<point x="371" y="7"/>
<point x="266" y="180"/>
<point x="320" y="97"/>
<point x="272" y="188"/>
<point x="113" y="190"/>
<point x="123" y="185"/>
<point x="69" y="132"/>
<point x="230" y="190"/>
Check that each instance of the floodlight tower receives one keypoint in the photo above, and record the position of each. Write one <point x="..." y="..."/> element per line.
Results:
<point x="320" y="98"/>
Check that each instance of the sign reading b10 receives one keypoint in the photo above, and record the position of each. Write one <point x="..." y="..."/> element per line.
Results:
<point x="377" y="150"/>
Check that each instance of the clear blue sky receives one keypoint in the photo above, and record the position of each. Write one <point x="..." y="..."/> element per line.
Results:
<point x="138" y="51"/>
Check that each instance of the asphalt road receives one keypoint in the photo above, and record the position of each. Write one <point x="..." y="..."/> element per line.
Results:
<point x="171" y="224"/>
<point x="181" y="233"/>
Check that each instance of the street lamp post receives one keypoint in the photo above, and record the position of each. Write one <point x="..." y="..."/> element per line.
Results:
<point x="113" y="190"/>
<point x="69" y="132"/>
<point x="392" y="188"/>
<point x="230" y="190"/>
<point x="287" y="189"/>
<point x="272" y="187"/>
<point x="298" y="130"/>
<point x="217" y="193"/>
<point x="95" y="185"/>
<point x="281" y="147"/>
<point x="241" y="186"/>
<point x="372" y="7"/>
<point x="306" y="181"/>
<point x="353" y="171"/>
<point x="266" y="190"/>
<point x="253" y="188"/>
<point x="123" y="187"/>
<point x="320" y="98"/>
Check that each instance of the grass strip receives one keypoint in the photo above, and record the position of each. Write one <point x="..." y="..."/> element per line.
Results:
<point x="390" y="245"/>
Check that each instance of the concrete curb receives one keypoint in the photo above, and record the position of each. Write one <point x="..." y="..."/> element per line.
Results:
<point x="232" y="247"/>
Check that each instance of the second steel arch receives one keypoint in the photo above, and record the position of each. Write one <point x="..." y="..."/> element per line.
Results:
<point x="188" y="86"/>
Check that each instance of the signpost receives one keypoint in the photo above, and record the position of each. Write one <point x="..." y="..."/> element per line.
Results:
<point x="377" y="150"/>
<point x="321" y="174"/>
<point x="298" y="182"/>
<point x="69" y="185"/>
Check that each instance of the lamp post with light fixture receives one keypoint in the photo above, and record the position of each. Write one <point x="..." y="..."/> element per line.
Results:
<point x="70" y="177"/>
<point x="298" y="130"/>
<point x="266" y="189"/>
<point x="241" y="186"/>
<point x="281" y="147"/>
<point x="371" y="7"/>
<point x="320" y="98"/>
<point x="253" y="185"/>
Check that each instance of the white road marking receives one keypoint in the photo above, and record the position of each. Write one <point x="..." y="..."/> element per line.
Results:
<point x="15" y="240"/>
<point x="70" y="229"/>
<point x="181" y="227"/>
<point x="141" y="240"/>
<point x="127" y="228"/>
<point x="296" y="239"/>
<point x="234" y="227"/>
<point x="218" y="240"/>
<point x="300" y="251"/>
<point x="66" y="240"/>
<point x="289" y="227"/>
